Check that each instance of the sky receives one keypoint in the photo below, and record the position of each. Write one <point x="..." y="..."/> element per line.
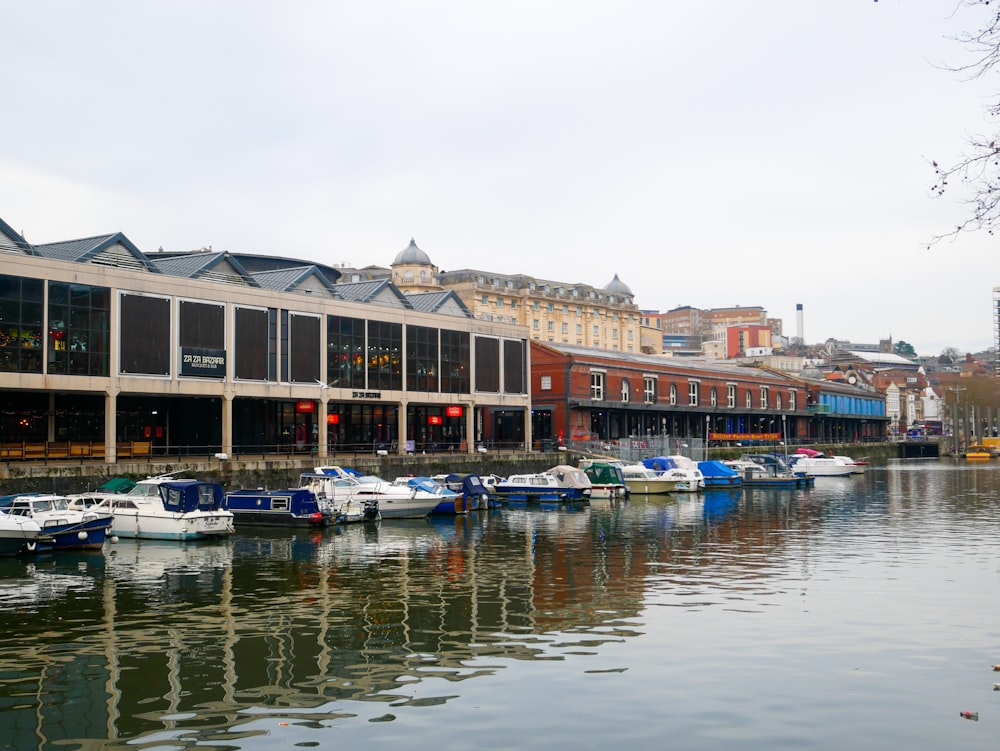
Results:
<point x="710" y="153"/>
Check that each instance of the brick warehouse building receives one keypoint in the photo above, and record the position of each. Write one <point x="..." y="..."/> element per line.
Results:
<point x="583" y="394"/>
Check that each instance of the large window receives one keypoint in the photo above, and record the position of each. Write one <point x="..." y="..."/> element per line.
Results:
<point x="487" y="364"/>
<point x="345" y="352"/>
<point x="385" y="355"/>
<point x="626" y="390"/>
<point x="514" y="378"/>
<point x="649" y="389"/>
<point x="21" y="316"/>
<point x="145" y="335"/>
<point x="256" y="344"/>
<point x="303" y="349"/>
<point x="763" y="397"/>
<point x="693" y="393"/>
<point x="731" y="395"/>
<point x="454" y="362"/>
<point x="79" y="329"/>
<point x="421" y="358"/>
<point x="673" y="394"/>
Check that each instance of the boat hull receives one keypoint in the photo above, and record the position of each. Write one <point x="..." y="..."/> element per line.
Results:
<point x="201" y="526"/>
<point x="89" y="534"/>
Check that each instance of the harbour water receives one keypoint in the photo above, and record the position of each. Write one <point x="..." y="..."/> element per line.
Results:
<point x="863" y="613"/>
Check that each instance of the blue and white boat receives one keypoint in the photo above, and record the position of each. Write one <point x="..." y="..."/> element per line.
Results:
<point x="718" y="475"/>
<point x="165" y="508"/>
<point x="295" y="507"/>
<point x="448" y="500"/>
<point x="561" y="483"/>
<point x="62" y="527"/>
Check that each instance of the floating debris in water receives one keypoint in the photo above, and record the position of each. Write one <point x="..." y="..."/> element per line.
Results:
<point x="969" y="715"/>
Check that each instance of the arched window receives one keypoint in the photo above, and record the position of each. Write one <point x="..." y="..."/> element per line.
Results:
<point x="625" y="389"/>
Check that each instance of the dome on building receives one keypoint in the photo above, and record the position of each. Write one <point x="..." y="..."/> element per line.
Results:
<point x="618" y="287"/>
<point x="412" y="254"/>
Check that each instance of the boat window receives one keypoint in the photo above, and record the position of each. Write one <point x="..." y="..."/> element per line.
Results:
<point x="281" y="503"/>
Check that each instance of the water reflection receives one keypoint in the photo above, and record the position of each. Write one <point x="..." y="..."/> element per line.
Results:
<point x="178" y="645"/>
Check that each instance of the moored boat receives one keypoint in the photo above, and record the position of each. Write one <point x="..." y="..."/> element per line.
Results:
<point x="336" y="489"/>
<point x="294" y="507"/>
<point x="645" y="481"/>
<point x="689" y="479"/>
<point x="717" y="475"/>
<point x="978" y="452"/>
<point x="62" y="527"/>
<point x="165" y="508"/>
<point x="606" y="478"/>
<point x="531" y="486"/>
<point x="17" y="534"/>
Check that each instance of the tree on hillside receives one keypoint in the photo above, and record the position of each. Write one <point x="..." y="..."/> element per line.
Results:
<point x="978" y="171"/>
<point x="949" y="356"/>
<point x="904" y="349"/>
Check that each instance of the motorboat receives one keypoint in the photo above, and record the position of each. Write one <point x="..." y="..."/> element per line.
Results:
<point x="476" y="494"/>
<point x="825" y="468"/>
<point x="167" y="508"/>
<point x="645" y="481"/>
<point x="531" y="486"/>
<point x="689" y="478"/>
<point x="821" y="466"/>
<point x="356" y="497"/>
<point x="294" y="507"/>
<point x="769" y="470"/>
<point x="62" y="527"/>
<point x="17" y="534"/>
<point x="606" y="478"/>
<point x="449" y="501"/>
<point x="718" y="475"/>
<point x="337" y="490"/>
<point x="579" y="487"/>
<point x="858" y="466"/>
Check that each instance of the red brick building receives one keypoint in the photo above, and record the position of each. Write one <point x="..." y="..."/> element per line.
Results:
<point x="582" y="394"/>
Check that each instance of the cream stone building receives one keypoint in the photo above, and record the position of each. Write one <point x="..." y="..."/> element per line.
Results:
<point x="553" y="311"/>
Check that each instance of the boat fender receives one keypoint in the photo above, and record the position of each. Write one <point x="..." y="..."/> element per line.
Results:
<point x="81" y="535"/>
<point x="31" y="546"/>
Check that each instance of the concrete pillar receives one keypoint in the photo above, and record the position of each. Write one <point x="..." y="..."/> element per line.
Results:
<point x="402" y="426"/>
<point x="110" y="427"/>
<point x="227" y="424"/>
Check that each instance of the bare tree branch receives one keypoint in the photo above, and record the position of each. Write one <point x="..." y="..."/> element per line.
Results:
<point x="978" y="170"/>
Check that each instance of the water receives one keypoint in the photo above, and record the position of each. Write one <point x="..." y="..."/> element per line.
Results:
<point x="862" y="613"/>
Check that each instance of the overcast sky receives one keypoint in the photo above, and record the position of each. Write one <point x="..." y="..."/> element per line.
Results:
<point x="709" y="152"/>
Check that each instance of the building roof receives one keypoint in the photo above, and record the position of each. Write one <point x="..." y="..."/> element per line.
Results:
<point x="103" y="250"/>
<point x="297" y="279"/>
<point x="412" y="254"/>
<point x="883" y="359"/>
<point x="375" y="292"/>
<point x="446" y="302"/>
<point x="216" y="267"/>
<point x="617" y="287"/>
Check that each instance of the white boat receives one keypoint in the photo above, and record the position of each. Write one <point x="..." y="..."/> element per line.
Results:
<point x="17" y="534"/>
<point x="335" y="489"/>
<point x="679" y="468"/>
<point x="63" y="527"/>
<point x="643" y="480"/>
<point x="398" y="499"/>
<point x="858" y="466"/>
<point x="822" y="466"/>
<point x="165" y="508"/>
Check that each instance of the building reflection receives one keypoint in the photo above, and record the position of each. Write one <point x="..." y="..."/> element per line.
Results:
<point x="180" y="642"/>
